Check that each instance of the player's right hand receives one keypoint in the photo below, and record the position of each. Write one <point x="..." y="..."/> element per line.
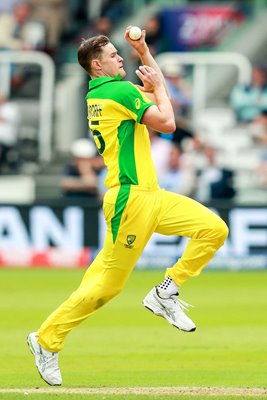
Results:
<point x="139" y="45"/>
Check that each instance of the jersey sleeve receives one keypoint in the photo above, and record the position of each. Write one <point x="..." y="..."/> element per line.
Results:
<point x="135" y="101"/>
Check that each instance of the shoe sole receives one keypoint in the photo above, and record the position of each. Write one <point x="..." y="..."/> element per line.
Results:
<point x="33" y="353"/>
<point x="159" y="314"/>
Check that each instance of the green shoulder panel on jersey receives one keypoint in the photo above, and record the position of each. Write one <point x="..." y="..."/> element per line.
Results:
<point x="124" y="93"/>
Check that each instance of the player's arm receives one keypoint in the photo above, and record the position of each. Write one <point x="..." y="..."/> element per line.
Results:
<point x="159" y="116"/>
<point x="146" y="57"/>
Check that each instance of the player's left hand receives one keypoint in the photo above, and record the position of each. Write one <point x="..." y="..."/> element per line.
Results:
<point x="149" y="77"/>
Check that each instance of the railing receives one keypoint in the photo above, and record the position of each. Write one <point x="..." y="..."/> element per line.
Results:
<point x="200" y="62"/>
<point x="46" y="98"/>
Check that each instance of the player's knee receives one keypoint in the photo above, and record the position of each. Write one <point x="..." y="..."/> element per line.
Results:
<point x="108" y="294"/>
<point x="221" y="231"/>
<point x="114" y="291"/>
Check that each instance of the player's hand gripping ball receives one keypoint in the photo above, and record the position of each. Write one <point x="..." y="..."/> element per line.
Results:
<point x="135" y="33"/>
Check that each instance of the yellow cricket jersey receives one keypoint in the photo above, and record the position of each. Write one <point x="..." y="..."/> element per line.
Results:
<point x="115" y="109"/>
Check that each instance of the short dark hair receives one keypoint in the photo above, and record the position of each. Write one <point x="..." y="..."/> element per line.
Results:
<point x="89" y="49"/>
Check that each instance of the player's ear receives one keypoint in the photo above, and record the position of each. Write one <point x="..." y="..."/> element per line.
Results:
<point x="96" y="64"/>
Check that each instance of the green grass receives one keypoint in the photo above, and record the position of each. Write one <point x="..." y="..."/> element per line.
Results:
<point x="124" y="345"/>
<point x="120" y="397"/>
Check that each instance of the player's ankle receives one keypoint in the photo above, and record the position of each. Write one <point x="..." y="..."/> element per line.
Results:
<point x="167" y="288"/>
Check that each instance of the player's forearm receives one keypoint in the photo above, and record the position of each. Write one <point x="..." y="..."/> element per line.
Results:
<point x="164" y="106"/>
<point x="147" y="59"/>
<point x="160" y="116"/>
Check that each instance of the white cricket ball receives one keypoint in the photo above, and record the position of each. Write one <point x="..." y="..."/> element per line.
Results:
<point x="135" y="33"/>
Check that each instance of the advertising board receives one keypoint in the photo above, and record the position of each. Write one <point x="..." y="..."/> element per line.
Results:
<point x="65" y="235"/>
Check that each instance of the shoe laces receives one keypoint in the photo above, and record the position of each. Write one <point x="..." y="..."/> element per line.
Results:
<point x="182" y="304"/>
<point x="49" y="361"/>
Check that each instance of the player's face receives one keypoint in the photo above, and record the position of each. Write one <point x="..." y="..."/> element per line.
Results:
<point x="111" y="62"/>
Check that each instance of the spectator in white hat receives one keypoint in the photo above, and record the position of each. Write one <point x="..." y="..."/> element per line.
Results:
<point x="180" y="91"/>
<point x="81" y="175"/>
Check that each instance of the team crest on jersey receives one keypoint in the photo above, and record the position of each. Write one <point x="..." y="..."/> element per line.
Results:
<point x="130" y="239"/>
<point x="137" y="103"/>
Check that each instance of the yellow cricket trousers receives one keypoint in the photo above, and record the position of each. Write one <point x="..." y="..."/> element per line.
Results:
<point x="132" y="215"/>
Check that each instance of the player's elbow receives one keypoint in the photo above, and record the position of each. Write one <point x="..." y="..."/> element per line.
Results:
<point x="168" y="127"/>
<point x="161" y="121"/>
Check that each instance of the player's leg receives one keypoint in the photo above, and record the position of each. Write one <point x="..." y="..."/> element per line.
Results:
<point x="207" y="232"/>
<point x="131" y="219"/>
<point x="99" y="284"/>
<point x="184" y="217"/>
<point x="128" y="230"/>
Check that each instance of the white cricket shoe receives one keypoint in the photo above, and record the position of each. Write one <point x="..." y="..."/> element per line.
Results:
<point x="46" y="362"/>
<point x="171" y="309"/>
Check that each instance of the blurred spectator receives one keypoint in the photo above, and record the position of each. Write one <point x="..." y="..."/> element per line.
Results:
<point x="18" y="31"/>
<point x="78" y="16"/>
<point x="180" y="92"/>
<point x="53" y="14"/>
<point x="262" y="169"/>
<point x="155" y="37"/>
<point x="249" y="100"/>
<point x="258" y="131"/>
<point x="258" y="128"/>
<point x="180" y="176"/>
<point x="102" y="189"/>
<point x="81" y="175"/>
<point x="102" y="26"/>
<point x="181" y="98"/>
<point x="14" y="28"/>
<point x="184" y="135"/>
<point x="115" y="9"/>
<point x="214" y="181"/>
<point x="7" y="6"/>
<point x="9" y="126"/>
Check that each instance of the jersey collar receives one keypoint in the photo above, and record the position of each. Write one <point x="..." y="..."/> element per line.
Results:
<point x="103" y="79"/>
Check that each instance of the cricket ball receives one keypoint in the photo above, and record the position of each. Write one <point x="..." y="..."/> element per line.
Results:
<point x="135" y="33"/>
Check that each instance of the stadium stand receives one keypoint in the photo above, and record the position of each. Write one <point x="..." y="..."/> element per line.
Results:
<point x="49" y="87"/>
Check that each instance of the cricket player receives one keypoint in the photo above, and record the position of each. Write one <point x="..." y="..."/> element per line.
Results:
<point x="119" y="113"/>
